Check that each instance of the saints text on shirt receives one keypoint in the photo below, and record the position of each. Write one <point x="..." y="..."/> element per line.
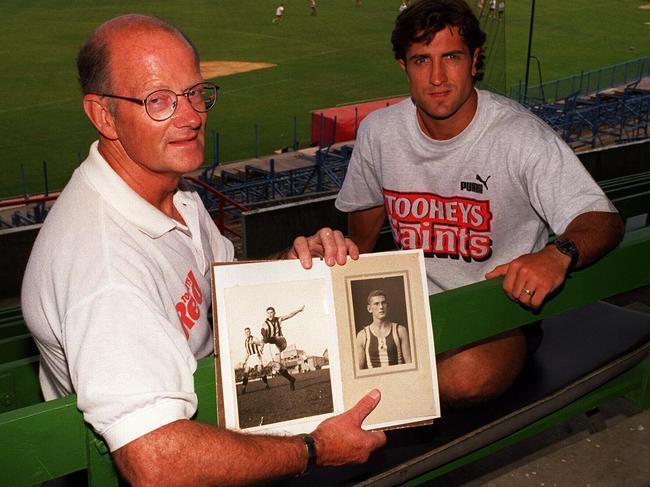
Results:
<point x="452" y="227"/>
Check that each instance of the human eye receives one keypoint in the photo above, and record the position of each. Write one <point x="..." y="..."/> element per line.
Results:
<point x="453" y="56"/>
<point x="160" y="100"/>
<point x="419" y="60"/>
<point x="194" y="93"/>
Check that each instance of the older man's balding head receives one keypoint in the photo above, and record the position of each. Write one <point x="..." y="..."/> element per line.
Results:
<point x="94" y="58"/>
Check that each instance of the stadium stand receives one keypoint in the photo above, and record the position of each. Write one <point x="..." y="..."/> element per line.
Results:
<point x="594" y="109"/>
<point x="585" y="83"/>
<point x="603" y="118"/>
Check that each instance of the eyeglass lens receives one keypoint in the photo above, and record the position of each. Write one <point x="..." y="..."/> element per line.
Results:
<point x="161" y="104"/>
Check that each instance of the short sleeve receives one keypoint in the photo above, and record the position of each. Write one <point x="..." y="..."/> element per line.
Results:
<point x="362" y="187"/>
<point x="559" y="187"/>
<point x="132" y="370"/>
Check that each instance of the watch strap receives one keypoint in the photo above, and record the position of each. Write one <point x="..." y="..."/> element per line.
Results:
<point x="311" y="452"/>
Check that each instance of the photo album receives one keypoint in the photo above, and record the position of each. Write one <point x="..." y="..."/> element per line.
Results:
<point x="294" y="346"/>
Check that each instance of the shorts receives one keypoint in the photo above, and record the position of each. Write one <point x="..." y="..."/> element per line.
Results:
<point x="278" y="341"/>
<point x="533" y="333"/>
<point x="252" y="361"/>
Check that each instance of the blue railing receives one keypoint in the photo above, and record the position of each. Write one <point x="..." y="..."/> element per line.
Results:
<point x="585" y="83"/>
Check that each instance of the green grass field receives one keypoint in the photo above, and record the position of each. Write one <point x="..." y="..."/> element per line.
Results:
<point x="341" y="56"/>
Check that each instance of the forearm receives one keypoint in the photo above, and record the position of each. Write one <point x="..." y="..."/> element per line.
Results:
<point x="361" y="358"/>
<point x="594" y="233"/>
<point x="406" y="346"/>
<point x="292" y="313"/>
<point x="530" y="278"/>
<point x="364" y="227"/>
<point x="192" y="453"/>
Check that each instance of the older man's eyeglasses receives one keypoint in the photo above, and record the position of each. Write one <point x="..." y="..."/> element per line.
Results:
<point x="161" y="104"/>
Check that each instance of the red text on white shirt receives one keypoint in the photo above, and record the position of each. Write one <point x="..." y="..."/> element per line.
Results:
<point x="442" y="227"/>
<point x="189" y="305"/>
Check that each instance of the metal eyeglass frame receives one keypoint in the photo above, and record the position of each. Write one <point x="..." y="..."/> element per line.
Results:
<point x="186" y="94"/>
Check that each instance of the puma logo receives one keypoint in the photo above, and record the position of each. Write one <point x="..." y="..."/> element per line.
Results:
<point x="483" y="182"/>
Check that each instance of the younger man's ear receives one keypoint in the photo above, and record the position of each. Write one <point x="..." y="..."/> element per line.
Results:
<point x="97" y="110"/>
<point x="402" y="64"/>
<point x="475" y="56"/>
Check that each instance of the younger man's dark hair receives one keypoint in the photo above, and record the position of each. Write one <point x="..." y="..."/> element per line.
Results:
<point x="422" y="20"/>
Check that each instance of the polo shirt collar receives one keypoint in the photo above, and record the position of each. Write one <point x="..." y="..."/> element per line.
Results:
<point x="119" y="195"/>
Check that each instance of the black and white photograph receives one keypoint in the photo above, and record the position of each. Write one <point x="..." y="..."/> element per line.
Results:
<point x="386" y="337"/>
<point x="275" y="349"/>
<point x="295" y="347"/>
<point x="382" y="330"/>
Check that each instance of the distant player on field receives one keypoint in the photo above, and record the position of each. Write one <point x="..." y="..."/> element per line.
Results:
<point x="279" y="14"/>
<point x="253" y="348"/>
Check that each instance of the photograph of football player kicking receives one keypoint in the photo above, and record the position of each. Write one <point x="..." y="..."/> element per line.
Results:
<point x="272" y="333"/>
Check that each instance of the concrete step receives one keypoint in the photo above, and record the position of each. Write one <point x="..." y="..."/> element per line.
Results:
<point x="569" y="455"/>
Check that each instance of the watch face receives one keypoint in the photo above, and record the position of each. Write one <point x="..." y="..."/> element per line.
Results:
<point x="567" y="247"/>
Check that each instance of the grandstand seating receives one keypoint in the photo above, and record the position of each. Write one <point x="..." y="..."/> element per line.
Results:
<point x="601" y="118"/>
<point x="324" y="171"/>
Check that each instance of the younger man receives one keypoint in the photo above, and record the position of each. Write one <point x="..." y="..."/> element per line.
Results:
<point x="475" y="180"/>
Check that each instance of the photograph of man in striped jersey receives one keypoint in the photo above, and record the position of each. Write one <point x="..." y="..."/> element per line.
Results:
<point x="382" y="343"/>
<point x="253" y="361"/>
<point x="272" y="333"/>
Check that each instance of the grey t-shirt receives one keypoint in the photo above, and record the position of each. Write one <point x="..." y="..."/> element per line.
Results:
<point x="474" y="201"/>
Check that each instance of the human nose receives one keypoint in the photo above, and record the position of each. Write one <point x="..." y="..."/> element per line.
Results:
<point x="185" y="114"/>
<point x="438" y="74"/>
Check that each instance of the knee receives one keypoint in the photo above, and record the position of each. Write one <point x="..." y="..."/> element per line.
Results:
<point x="466" y="388"/>
<point x="477" y="374"/>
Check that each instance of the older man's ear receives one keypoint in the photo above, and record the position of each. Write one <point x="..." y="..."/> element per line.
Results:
<point x="97" y="110"/>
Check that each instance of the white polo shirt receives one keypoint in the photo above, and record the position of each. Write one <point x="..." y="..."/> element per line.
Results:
<point x="116" y="295"/>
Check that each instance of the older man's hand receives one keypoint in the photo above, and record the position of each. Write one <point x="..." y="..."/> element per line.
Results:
<point x="341" y="440"/>
<point x="329" y="244"/>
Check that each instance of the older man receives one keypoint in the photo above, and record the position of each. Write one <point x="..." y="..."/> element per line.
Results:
<point x="117" y="290"/>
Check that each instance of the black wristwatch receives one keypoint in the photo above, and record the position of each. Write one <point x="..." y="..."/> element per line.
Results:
<point x="311" y="452"/>
<point x="567" y="247"/>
